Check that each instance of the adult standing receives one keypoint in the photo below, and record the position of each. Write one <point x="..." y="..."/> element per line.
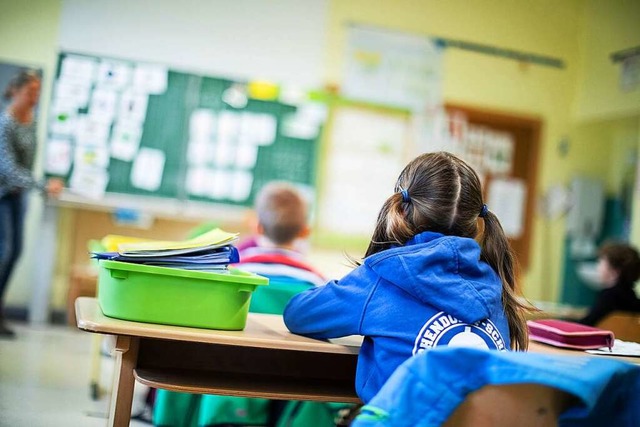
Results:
<point x="17" y="152"/>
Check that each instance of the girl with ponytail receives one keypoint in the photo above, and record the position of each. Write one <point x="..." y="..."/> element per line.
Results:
<point x="438" y="271"/>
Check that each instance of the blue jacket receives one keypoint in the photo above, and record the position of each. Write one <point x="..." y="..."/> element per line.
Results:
<point x="432" y="291"/>
<point x="426" y="389"/>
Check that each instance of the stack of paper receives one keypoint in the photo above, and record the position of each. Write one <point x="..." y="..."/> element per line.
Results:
<point x="212" y="251"/>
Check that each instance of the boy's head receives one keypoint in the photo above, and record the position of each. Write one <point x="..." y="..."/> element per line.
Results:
<point x="282" y="213"/>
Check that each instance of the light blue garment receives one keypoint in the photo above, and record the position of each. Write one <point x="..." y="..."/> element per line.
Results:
<point x="425" y="390"/>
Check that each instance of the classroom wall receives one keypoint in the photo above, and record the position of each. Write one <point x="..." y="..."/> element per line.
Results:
<point x="29" y="35"/>
<point x="304" y="42"/>
<point x="277" y="40"/>
<point x="495" y="83"/>
<point x="608" y="26"/>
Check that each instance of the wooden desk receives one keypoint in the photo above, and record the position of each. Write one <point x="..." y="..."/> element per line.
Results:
<point x="264" y="360"/>
<point x="536" y="347"/>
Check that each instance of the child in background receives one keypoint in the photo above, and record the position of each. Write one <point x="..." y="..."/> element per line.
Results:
<point x="618" y="270"/>
<point x="425" y="280"/>
<point x="282" y="214"/>
<point x="281" y="223"/>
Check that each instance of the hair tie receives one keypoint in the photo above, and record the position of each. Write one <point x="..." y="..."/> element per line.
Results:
<point x="405" y="195"/>
<point x="484" y="211"/>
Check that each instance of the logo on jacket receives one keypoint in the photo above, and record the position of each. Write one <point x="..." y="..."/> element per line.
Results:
<point x="444" y="329"/>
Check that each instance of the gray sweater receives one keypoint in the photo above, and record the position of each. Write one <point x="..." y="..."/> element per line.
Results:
<point x="17" y="152"/>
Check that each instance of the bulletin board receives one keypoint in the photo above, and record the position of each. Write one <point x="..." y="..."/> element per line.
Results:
<point x="123" y="127"/>
<point x="503" y="148"/>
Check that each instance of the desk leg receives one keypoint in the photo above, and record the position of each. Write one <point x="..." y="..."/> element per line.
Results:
<point x="126" y="353"/>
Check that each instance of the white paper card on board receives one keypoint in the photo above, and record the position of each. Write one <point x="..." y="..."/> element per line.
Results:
<point x="91" y="156"/>
<point x="200" y="152"/>
<point x="241" y="186"/>
<point x="150" y="78"/>
<point x="202" y="125"/>
<point x="125" y="140"/>
<point x="300" y="127"/>
<point x="220" y="187"/>
<point x="507" y="198"/>
<point x="246" y="156"/>
<point x="90" y="131"/>
<point x="114" y="75"/>
<point x="225" y="152"/>
<point x="58" y="156"/>
<point x="63" y="118"/>
<point x="199" y="181"/>
<point x="103" y="105"/>
<point x="148" y="168"/>
<point x="78" y="68"/>
<point x="73" y="92"/>
<point x="258" y="128"/>
<point x="89" y="182"/>
<point x="133" y="106"/>
<point x="229" y="126"/>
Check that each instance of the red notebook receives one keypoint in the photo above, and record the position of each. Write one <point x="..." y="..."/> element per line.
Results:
<point x="561" y="333"/>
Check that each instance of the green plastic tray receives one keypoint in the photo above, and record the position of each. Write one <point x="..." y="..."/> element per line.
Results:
<point x="173" y="296"/>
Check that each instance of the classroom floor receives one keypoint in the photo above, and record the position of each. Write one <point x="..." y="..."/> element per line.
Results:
<point x="44" y="380"/>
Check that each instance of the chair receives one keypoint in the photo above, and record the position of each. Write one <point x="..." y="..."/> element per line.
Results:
<point x="464" y="387"/>
<point x="625" y="326"/>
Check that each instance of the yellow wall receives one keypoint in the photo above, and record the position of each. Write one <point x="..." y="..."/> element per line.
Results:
<point x="608" y="26"/>
<point x="29" y="36"/>
<point x="545" y="27"/>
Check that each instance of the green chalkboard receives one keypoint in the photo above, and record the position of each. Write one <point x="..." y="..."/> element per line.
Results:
<point x="230" y="166"/>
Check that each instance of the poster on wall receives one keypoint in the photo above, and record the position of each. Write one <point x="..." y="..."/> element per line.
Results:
<point x="393" y="68"/>
<point x="507" y="198"/>
<point x="368" y="149"/>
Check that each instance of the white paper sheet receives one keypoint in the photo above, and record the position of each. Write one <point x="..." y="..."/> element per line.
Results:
<point x="259" y="129"/>
<point x="133" y="106"/>
<point x="58" y="158"/>
<point x="498" y="152"/>
<point x="150" y="78"/>
<point x="148" y="168"/>
<point x="506" y="199"/>
<point x="366" y="157"/>
<point x="103" y="105"/>
<point x="78" y="68"/>
<point x="225" y="152"/>
<point x="246" y="156"/>
<point x="72" y="92"/>
<point x="296" y="126"/>
<point x="199" y="181"/>
<point x="241" y="186"/>
<point x="89" y="182"/>
<point x="392" y="68"/>
<point x="229" y="126"/>
<point x="202" y="125"/>
<point x="113" y="75"/>
<point x="88" y="156"/>
<point x="125" y="140"/>
<point x="235" y="96"/>
<point x="90" y="131"/>
<point x="200" y="152"/>
<point x="64" y="114"/>
<point x="220" y="187"/>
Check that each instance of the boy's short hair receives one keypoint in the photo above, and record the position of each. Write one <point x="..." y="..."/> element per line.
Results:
<point x="282" y="212"/>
